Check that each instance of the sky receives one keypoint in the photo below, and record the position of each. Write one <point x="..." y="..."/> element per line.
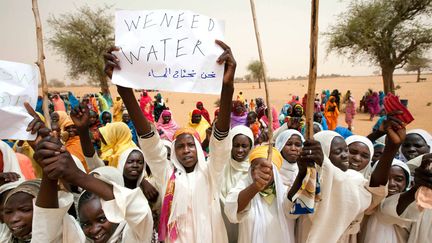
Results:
<point x="284" y="28"/>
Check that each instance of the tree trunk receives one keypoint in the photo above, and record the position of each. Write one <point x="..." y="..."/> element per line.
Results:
<point x="259" y="83"/>
<point x="103" y="81"/>
<point x="418" y="75"/>
<point x="387" y="75"/>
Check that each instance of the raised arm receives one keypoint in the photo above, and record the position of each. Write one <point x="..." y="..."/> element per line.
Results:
<point x="142" y="125"/>
<point x="395" y="136"/>
<point x="80" y="116"/>
<point x="57" y="163"/>
<point x="226" y="58"/>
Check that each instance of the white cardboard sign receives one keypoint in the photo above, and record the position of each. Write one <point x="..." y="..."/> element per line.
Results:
<point x="168" y="50"/>
<point x="18" y="84"/>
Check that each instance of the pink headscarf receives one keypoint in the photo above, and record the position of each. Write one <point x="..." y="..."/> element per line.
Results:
<point x="146" y="105"/>
<point x="168" y="129"/>
<point x="58" y="103"/>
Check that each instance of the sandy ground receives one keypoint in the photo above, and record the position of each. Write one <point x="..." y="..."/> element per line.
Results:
<point x="418" y="95"/>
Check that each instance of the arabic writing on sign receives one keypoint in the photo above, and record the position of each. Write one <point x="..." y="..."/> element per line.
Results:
<point x="169" y="50"/>
<point x="182" y="73"/>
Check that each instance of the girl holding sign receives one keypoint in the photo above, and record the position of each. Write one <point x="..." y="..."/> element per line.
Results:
<point x="189" y="183"/>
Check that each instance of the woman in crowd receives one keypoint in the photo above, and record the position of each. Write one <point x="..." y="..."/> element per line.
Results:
<point x="236" y="170"/>
<point x="331" y="113"/>
<point x="289" y="143"/>
<point x="166" y="125"/>
<point x="190" y="184"/>
<point x="238" y="114"/>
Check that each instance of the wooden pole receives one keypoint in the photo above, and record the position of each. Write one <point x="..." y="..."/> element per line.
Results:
<point x="261" y="56"/>
<point x="40" y="63"/>
<point x="312" y="69"/>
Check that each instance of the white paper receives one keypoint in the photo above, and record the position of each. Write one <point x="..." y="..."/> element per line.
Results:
<point x="168" y="50"/>
<point x="18" y="84"/>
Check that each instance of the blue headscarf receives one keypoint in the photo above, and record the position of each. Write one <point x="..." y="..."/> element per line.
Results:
<point x="72" y="100"/>
<point x="101" y="115"/>
<point x="39" y="105"/>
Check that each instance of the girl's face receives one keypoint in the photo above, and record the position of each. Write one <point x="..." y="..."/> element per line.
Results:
<point x="241" y="147"/>
<point x="54" y="117"/>
<point x="339" y="153"/>
<point x="413" y="146"/>
<point x="397" y="180"/>
<point x="166" y="119"/>
<point x="359" y="156"/>
<point x="18" y="214"/>
<point x="134" y="166"/>
<point x="93" y="119"/>
<point x="93" y="221"/>
<point x="186" y="151"/>
<point x="196" y="118"/>
<point x="106" y="118"/>
<point x="292" y="149"/>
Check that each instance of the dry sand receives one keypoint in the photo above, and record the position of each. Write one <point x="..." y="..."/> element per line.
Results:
<point x="418" y="95"/>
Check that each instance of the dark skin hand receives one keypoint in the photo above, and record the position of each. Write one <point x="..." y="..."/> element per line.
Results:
<point x="7" y="177"/>
<point x="382" y="130"/>
<point x="422" y="177"/>
<point x="36" y="126"/>
<point x="262" y="176"/>
<point x="149" y="191"/>
<point x="305" y="160"/>
<point x="81" y="118"/>
<point x="57" y="163"/>
<point x="142" y="125"/>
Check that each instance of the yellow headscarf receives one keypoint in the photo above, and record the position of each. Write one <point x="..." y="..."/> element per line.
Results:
<point x="118" y="138"/>
<point x="262" y="152"/>
<point x="62" y="118"/>
<point x="200" y="127"/>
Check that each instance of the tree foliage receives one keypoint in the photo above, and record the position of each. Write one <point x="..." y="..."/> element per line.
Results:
<point x="385" y="32"/>
<point x="81" y="39"/>
<point x="256" y="70"/>
<point x="417" y="63"/>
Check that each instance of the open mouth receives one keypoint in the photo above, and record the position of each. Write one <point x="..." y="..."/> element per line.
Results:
<point x="99" y="236"/>
<point x="17" y="230"/>
<point x="393" y="191"/>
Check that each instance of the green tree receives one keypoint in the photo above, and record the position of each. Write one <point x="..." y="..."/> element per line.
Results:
<point x="386" y="32"/>
<point x="417" y="64"/>
<point x="256" y="71"/>
<point x="82" y="38"/>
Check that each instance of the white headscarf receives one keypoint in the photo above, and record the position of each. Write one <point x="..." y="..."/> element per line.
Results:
<point x="289" y="169"/>
<point x="235" y="171"/>
<point x="325" y="138"/>
<point x="406" y="169"/>
<point x="366" y="171"/>
<point x="182" y="193"/>
<point x="122" y="161"/>
<point x="10" y="161"/>
<point x="422" y="133"/>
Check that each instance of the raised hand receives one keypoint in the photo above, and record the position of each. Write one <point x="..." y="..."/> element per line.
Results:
<point x="262" y="174"/>
<point x="230" y="63"/>
<point x="81" y="117"/>
<point x="55" y="161"/>
<point x="36" y="124"/>
<point x="111" y="61"/>
<point x="395" y="129"/>
<point x="423" y="173"/>
<point x="310" y="154"/>
<point x="7" y="177"/>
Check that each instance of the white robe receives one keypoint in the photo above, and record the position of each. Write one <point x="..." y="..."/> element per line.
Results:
<point x="129" y="208"/>
<point x="346" y="198"/>
<point x="259" y="221"/>
<point x="195" y="206"/>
